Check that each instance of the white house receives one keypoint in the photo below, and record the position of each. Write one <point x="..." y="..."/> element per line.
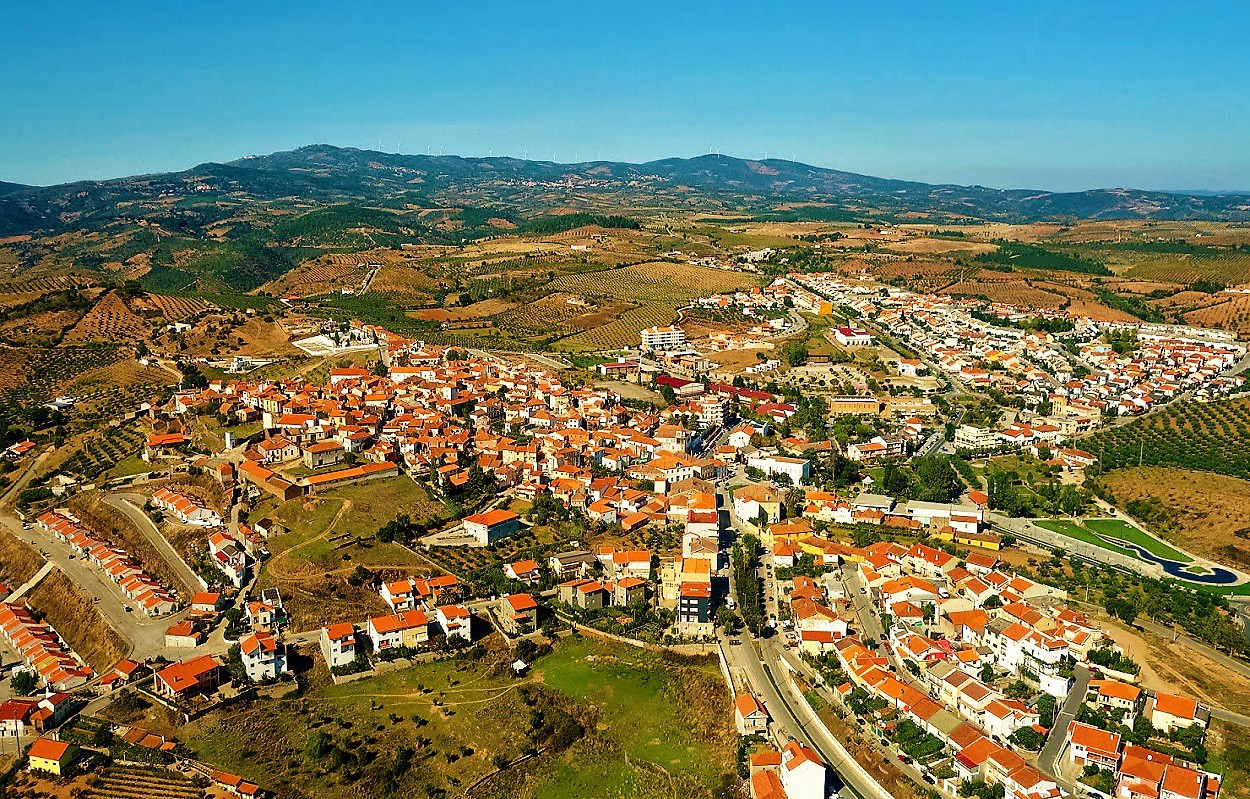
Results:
<point x="802" y="772"/>
<point x="797" y="469"/>
<point x="852" y="337"/>
<point x="456" y="620"/>
<point x="263" y="657"/>
<point x="229" y="557"/>
<point x="338" y="644"/>
<point x="185" y="508"/>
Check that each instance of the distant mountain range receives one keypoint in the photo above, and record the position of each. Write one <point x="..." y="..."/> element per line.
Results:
<point x="709" y="183"/>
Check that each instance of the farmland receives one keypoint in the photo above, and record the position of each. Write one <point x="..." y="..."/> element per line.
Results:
<point x="656" y="290"/>
<point x="1213" y="437"/>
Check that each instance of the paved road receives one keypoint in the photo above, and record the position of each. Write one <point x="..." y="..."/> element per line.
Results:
<point x="132" y="506"/>
<point x="1049" y="756"/>
<point x="778" y="701"/>
<point x="146" y="636"/>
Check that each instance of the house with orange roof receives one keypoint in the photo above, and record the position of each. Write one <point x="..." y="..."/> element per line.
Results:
<point x="456" y="621"/>
<point x="1169" y="712"/>
<point x="408" y="629"/>
<point x="1091" y="745"/>
<point x="750" y="717"/>
<point x="189" y="678"/>
<point x="264" y="657"/>
<point x="518" y="614"/>
<point x="491" y="526"/>
<point x="338" y="644"/>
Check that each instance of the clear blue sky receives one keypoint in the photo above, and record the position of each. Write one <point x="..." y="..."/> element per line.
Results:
<point x="1048" y="95"/>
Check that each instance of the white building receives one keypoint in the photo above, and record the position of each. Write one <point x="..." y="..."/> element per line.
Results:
<point x="802" y="772"/>
<point x="338" y="644"/>
<point x="456" y="620"/>
<point x="662" y="338"/>
<point x="852" y="337"/>
<point x="797" y="469"/>
<point x="976" y="438"/>
<point x="263" y="657"/>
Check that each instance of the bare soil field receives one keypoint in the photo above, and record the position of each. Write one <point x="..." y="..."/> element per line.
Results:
<point x="1231" y="314"/>
<point x="1208" y="514"/>
<point x="927" y="246"/>
<point x="73" y="615"/>
<point x="1176" y="668"/>
<point x="1012" y="292"/>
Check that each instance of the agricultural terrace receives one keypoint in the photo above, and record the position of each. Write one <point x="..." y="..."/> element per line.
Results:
<point x="1212" y="437"/>
<point x="602" y="715"/>
<point x="655" y="290"/>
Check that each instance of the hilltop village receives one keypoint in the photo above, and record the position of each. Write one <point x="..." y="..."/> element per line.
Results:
<point x="705" y="522"/>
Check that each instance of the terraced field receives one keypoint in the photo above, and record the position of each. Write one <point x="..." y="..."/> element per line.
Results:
<point x="108" y="320"/>
<point x="137" y="782"/>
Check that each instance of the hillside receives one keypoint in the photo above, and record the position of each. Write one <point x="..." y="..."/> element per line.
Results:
<point x="322" y="173"/>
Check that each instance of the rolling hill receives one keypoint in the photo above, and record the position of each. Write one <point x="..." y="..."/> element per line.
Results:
<point x="327" y="174"/>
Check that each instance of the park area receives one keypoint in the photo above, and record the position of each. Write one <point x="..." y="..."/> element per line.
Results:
<point x="608" y="721"/>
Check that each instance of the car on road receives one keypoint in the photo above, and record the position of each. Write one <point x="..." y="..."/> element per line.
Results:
<point x="129" y="609"/>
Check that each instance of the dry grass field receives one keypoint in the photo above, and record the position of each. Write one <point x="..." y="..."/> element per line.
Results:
<point x="1206" y="513"/>
<point x="72" y="614"/>
<point x="18" y="561"/>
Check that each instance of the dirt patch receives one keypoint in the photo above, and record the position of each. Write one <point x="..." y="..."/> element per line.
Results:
<point x="1177" y="668"/>
<point x="1207" y="514"/>
<point x="72" y="614"/>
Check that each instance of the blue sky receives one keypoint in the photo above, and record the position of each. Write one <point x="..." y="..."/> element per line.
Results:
<point x="1054" y="95"/>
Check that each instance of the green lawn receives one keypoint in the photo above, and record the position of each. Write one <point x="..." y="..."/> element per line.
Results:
<point x="1127" y="532"/>
<point x="1073" y="530"/>
<point x="131" y="464"/>
<point x="645" y="705"/>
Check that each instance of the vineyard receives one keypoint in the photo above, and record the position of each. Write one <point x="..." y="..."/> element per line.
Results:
<point x="101" y="452"/>
<point x="323" y="275"/>
<point x="1231" y="315"/>
<point x="1210" y="437"/>
<point x="403" y="285"/>
<point x="172" y="308"/>
<point x="38" y="374"/>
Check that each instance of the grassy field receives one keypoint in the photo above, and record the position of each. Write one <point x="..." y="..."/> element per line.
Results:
<point x="331" y="534"/>
<point x="1205" y="513"/>
<point x="1096" y="531"/>
<point x="1124" y="531"/>
<point x="438" y="727"/>
<point x="1080" y="533"/>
